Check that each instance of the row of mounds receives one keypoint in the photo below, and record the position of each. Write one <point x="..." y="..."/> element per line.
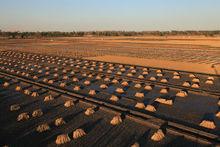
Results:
<point x="156" y="136"/>
<point x="194" y="81"/>
<point x="166" y="100"/>
<point x="36" y="92"/>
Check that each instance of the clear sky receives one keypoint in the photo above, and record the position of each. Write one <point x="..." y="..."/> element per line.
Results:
<point x="89" y="15"/>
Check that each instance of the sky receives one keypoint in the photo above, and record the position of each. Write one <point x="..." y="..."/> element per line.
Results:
<point x="102" y="15"/>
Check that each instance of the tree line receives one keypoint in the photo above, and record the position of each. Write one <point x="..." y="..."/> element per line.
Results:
<point x="23" y="35"/>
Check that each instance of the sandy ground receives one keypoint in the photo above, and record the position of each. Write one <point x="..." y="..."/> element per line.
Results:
<point x="193" y="67"/>
<point x="193" y="53"/>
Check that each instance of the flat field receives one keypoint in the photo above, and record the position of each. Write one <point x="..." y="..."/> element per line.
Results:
<point x="191" y="53"/>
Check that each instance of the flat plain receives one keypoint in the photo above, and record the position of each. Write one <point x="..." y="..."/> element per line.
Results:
<point x="110" y="91"/>
<point x="190" y="53"/>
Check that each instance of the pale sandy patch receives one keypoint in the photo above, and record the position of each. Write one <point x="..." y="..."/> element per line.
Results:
<point x="184" y="66"/>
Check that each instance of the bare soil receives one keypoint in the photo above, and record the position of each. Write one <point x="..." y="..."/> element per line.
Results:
<point x="192" y="53"/>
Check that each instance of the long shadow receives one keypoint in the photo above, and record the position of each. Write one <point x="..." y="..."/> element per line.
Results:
<point x="180" y="141"/>
<point x="130" y="140"/>
<point x="45" y="137"/>
<point x="89" y="126"/>
<point x="143" y="141"/>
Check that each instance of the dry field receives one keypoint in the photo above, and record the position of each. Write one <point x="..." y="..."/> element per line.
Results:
<point x="195" y="53"/>
<point x="54" y="100"/>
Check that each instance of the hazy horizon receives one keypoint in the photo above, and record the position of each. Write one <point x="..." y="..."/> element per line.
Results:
<point x="99" y="15"/>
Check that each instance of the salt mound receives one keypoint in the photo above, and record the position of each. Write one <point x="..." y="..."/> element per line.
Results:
<point x="120" y="66"/>
<point x="150" y="108"/>
<point x="145" y="69"/>
<point x="125" y="83"/>
<point x="153" y="79"/>
<point x="196" y="80"/>
<point x="103" y="86"/>
<point x="48" y="98"/>
<point x="75" y="79"/>
<point x="6" y="84"/>
<point x="132" y="67"/>
<point x="65" y="77"/>
<point x="111" y="68"/>
<point x="145" y="73"/>
<point x="27" y="92"/>
<point x="23" y="73"/>
<point x="109" y="71"/>
<point x="47" y="68"/>
<point x="140" y="105"/>
<point x="63" y="138"/>
<point x="78" y="133"/>
<point x="115" y="81"/>
<point x="136" y="144"/>
<point x="195" y="85"/>
<point x="158" y="136"/>
<point x="123" y="69"/>
<point x="87" y="82"/>
<point x="98" y="77"/>
<point x="59" y="122"/>
<point x="90" y="76"/>
<point x="92" y="92"/>
<point x="210" y="82"/>
<point x="159" y="74"/>
<point x="129" y="74"/>
<point x="186" y="84"/>
<point x="137" y="85"/>
<point x="133" y="71"/>
<point x="23" y="116"/>
<point x="68" y="103"/>
<point x="139" y="94"/>
<point x="50" y="82"/>
<point x="119" y="73"/>
<point x="158" y="71"/>
<point x="176" y="73"/>
<point x="55" y="75"/>
<point x="76" y="88"/>
<point x="34" y="94"/>
<point x="116" y="120"/>
<point x="192" y="76"/>
<point x="119" y="90"/>
<point x="182" y="93"/>
<point x="43" y="128"/>
<point x="164" y="101"/>
<point x="62" y="84"/>
<point x="14" y="107"/>
<point x="18" y="88"/>
<point x="45" y="80"/>
<point x="114" y="98"/>
<point x="208" y="124"/>
<point x="164" y="80"/>
<point x="107" y="79"/>
<point x="164" y="90"/>
<point x="37" y="113"/>
<point x="218" y="114"/>
<point x="89" y="111"/>
<point x="148" y="87"/>
<point x="141" y="77"/>
<point x="64" y="70"/>
<point x="211" y="78"/>
<point x="176" y="77"/>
